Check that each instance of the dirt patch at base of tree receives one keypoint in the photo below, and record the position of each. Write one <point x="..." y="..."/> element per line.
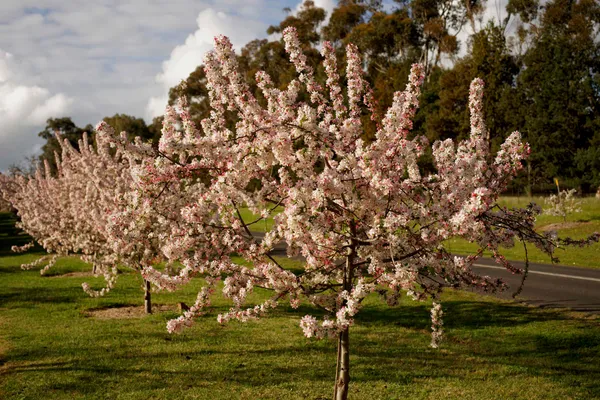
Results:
<point x="128" y="312"/>
<point x="72" y="275"/>
<point x="562" y="225"/>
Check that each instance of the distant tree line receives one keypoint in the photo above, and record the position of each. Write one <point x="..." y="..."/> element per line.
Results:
<point x="541" y="65"/>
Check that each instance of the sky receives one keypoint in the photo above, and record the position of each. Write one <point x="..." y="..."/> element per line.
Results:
<point x="88" y="59"/>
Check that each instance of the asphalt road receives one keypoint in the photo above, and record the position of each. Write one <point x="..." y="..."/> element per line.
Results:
<point x="546" y="285"/>
<point x="550" y="285"/>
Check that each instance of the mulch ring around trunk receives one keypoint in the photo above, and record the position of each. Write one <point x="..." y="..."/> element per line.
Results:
<point x="128" y="312"/>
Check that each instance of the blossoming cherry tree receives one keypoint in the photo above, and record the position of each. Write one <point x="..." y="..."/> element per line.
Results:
<point x="362" y="215"/>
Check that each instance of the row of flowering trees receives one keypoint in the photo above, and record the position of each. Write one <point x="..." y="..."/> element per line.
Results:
<point x="73" y="211"/>
<point x="363" y="215"/>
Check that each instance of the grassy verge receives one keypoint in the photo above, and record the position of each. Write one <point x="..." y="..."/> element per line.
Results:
<point x="578" y="226"/>
<point x="50" y="348"/>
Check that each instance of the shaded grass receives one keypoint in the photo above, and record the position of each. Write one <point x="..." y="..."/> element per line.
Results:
<point x="51" y="349"/>
<point x="11" y="235"/>
<point x="589" y="222"/>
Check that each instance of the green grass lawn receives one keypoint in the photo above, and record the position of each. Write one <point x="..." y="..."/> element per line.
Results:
<point x="50" y="348"/>
<point x="578" y="226"/>
<point x="264" y="224"/>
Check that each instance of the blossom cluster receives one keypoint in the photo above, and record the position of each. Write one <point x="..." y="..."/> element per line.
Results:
<point x="69" y="212"/>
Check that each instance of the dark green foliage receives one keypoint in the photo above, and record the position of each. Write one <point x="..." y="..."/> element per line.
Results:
<point x="67" y="129"/>
<point x="558" y="92"/>
<point x="135" y="127"/>
<point x="306" y="21"/>
<point x="489" y="59"/>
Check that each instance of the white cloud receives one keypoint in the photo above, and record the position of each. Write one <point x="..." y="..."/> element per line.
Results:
<point x="88" y="59"/>
<point x="106" y="54"/>
<point x="24" y="110"/>
<point x="327" y="5"/>
<point x="240" y="24"/>
<point x="54" y="106"/>
<point x="186" y="57"/>
<point x="494" y="11"/>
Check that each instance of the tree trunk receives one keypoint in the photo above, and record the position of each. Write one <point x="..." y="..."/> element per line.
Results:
<point x="147" y="297"/>
<point x="342" y="373"/>
<point x="343" y="368"/>
<point x="530" y="192"/>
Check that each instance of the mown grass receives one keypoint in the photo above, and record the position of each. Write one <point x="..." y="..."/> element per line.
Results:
<point x="257" y="224"/>
<point x="50" y="348"/>
<point x="579" y="225"/>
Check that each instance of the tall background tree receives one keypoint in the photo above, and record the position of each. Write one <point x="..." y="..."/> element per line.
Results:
<point x="559" y="92"/>
<point x="67" y="129"/>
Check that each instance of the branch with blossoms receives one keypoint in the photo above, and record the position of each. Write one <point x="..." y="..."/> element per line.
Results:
<point x="42" y="203"/>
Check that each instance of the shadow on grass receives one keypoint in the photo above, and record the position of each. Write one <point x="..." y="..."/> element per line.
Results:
<point x="10" y="235"/>
<point x="594" y="217"/>
<point x="459" y="314"/>
<point x="386" y="344"/>
<point x="40" y="295"/>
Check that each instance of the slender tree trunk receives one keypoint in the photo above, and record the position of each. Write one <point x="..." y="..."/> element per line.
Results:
<point x="343" y="367"/>
<point x="342" y="373"/>
<point x="147" y="297"/>
<point x="94" y="268"/>
<point x="337" y="369"/>
<point x="530" y="194"/>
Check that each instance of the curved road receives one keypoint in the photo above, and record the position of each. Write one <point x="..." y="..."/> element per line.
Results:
<point x="546" y="285"/>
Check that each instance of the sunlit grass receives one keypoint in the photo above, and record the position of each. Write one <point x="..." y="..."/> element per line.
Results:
<point x="579" y="225"/>
<point x="259" y="224"/>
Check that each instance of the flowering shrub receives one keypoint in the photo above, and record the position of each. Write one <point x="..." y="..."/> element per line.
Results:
<point x="562" y="204"/>
<point x="43" y="205"/>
